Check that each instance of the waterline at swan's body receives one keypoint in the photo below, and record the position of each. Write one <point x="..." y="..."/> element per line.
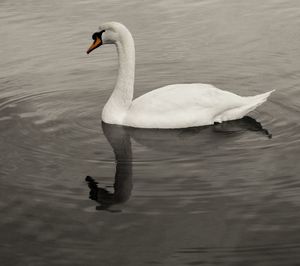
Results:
<point x="172" y="106"/>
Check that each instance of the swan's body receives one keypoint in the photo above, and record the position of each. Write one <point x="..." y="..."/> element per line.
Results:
<point x="188" y="105"/>
<point x="172" y="106"/>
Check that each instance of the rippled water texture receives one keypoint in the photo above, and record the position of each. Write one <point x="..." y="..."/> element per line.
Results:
<point x="74" y="191"/>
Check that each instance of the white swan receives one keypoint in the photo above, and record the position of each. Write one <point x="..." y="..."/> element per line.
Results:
<point x="172" y="106"/>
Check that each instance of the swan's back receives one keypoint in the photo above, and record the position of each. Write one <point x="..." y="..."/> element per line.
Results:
<point x="181" y="105"/>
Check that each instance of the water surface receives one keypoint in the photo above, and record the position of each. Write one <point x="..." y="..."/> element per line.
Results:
<point x="221" y="195"/>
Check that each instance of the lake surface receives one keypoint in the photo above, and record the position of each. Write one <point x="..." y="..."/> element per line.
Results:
<point x="74" y="191"/>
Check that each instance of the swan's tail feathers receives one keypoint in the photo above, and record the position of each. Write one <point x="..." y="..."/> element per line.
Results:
<point x="249" y="104"/>
<point x="255" y="101"/>
<point x="260" y="98"/>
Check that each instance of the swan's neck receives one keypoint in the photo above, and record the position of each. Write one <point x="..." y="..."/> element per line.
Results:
<point x="121" y="98"/>
<point x="125" y="80"/>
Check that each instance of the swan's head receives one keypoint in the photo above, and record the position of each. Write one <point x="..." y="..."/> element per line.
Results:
<point x="109" y="33"/>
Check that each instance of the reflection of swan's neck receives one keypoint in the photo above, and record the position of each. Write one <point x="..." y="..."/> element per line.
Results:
<point x="120" y="142"/>
<point x="121" y="98"/>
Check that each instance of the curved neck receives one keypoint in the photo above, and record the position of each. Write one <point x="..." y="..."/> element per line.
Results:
<point x="120" y="100"/>
<point x="125" y="81"/>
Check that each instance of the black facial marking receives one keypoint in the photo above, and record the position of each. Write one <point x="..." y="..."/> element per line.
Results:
<point x="98" y="34"/>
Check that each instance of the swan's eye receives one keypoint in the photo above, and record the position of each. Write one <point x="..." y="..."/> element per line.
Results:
<point x="97" y="34"/>
<point x="100" y="34"/>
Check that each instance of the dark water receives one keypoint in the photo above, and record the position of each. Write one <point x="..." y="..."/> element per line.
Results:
<point x="221" y="195"/>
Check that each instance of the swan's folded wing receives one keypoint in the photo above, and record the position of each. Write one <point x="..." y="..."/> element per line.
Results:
<point x="180" y="105"/>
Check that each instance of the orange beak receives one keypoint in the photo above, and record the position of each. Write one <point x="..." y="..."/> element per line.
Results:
<point x="94" y="45"/>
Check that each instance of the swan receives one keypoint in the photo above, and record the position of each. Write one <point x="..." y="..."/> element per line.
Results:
<point x="171" y="106"/>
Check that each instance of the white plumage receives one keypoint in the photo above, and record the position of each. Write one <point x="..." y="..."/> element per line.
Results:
<point x="172" y="106"/>
<point x="189" y="105"/>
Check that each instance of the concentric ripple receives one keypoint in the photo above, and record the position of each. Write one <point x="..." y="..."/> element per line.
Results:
<point x="65" y="125"/>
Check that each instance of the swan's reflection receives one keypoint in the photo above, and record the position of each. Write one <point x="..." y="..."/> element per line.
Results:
<point x="119" y="140"/>
<point x="167" y="140"/>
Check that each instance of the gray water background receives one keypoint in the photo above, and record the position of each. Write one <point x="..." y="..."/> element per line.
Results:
<point x="221" y="195"/>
